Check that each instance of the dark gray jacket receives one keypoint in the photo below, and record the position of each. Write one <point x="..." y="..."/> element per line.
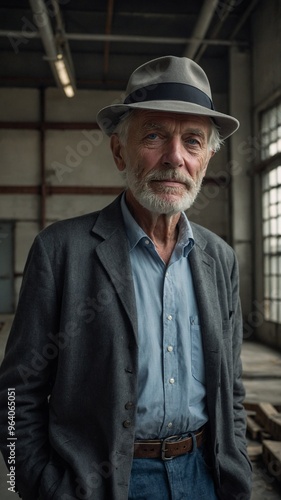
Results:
<point x="72" y="359"/>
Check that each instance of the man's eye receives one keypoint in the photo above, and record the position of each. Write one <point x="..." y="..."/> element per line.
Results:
<point x="152" y="136"/>
<point x="193" y="142"/>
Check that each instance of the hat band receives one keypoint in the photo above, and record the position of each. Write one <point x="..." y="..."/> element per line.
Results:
<point x="170" y="92"/>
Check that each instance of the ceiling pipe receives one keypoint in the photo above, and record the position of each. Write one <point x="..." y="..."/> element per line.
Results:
<point x="42" y="21"/>
<point x="243" y="19"/>
<point x="89" y="37"/>
<point x="59" y="64"/>
<point x="201" y="27"/>
<point x="226" y="9"/>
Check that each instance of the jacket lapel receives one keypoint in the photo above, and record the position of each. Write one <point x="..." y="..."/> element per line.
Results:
<point x="114" y="256"/>
<point x="203" y="269"/>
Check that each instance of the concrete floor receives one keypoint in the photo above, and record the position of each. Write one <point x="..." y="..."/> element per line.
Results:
<point x="262" y="379"/>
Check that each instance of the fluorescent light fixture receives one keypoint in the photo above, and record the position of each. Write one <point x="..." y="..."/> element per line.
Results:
<point x="62" y="72"/>
<point x="64" y="76"/>
<point x="68" y="90"/>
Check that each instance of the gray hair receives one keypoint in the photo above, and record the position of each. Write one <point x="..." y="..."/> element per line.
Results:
<point x="122" y="129"/>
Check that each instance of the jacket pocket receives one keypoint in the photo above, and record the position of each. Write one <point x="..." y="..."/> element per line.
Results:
<point x="197" y="356"/>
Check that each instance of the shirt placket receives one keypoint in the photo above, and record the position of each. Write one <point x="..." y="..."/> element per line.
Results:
<point x="170" y="367"/>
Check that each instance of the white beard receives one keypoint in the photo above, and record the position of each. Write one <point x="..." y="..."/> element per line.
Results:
<point x="161" y="202"/>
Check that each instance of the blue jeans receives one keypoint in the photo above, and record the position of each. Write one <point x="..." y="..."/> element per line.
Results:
<point x="184" y="477"/>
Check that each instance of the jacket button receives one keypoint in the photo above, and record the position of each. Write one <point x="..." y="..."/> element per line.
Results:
<point x="127" y="423"/>
<point x="129" y="405"/>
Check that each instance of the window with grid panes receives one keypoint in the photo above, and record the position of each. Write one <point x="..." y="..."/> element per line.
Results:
<point x="271" y="211"/>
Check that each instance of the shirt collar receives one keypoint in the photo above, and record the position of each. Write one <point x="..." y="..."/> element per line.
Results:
<point x="135" y="233"/>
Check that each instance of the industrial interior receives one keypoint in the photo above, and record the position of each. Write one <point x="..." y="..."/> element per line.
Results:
<point x="62" y="61"/>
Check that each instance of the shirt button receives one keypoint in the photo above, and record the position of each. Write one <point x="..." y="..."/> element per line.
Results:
<point x="170" y="317"/>
<point x="170" y="348"/>
<point x="127" y="423"/>
<point x="170" y="424"/>
<point x="172" y="380"/>
<point x="147" y="242"/>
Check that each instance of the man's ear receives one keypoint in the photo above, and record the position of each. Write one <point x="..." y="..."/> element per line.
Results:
<point x="117" y="152"/>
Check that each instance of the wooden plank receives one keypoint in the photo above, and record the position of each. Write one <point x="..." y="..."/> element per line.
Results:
<point x="254" y="452"/>
<point x="251" y="413"/>
<point x="265" y="435"/>
<point x="271" y="452"/>
<point x="274" y="424"/>
<point x="250" y="406"/>
<point x="254" y="428"/>
<point x="264" y="412"/>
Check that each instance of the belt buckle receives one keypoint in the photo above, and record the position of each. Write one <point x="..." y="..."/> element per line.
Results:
<point x="163" y="449"/>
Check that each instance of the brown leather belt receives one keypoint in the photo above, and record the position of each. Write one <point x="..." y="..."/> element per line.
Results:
<point x="167" y="448"/>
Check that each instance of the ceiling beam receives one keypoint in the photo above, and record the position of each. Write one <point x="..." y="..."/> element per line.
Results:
<point x="108" y="27"/>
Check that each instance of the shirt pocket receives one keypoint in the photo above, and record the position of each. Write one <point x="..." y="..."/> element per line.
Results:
<point x="197" y="356"/>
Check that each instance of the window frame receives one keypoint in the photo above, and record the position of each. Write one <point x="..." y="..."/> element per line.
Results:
<point x="270" y="161"/>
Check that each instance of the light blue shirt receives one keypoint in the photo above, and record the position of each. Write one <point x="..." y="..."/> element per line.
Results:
<point x="171" y="376"/>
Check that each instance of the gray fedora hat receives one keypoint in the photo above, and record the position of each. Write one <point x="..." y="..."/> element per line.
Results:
<point x="171" y="84"/>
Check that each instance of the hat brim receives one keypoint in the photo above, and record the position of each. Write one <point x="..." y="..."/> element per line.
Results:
<point x="109" y="117"/>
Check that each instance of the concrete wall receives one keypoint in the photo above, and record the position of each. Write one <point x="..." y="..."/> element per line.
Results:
<point x="81" y="158"/>
<point x="72" y="158"/>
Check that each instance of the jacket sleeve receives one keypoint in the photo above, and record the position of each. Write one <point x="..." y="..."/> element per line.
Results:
<point x="28" y="367"/>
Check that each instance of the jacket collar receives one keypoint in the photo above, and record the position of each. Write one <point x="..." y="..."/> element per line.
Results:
<point x="109" y="219"/>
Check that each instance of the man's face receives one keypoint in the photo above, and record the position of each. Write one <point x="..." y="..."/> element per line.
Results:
<point x="165" y="159"/>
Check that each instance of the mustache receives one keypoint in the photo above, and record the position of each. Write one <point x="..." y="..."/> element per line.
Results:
<point x="170" y="175"/>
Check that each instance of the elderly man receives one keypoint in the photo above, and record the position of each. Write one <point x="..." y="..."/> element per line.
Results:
<point x="124" y="355"/>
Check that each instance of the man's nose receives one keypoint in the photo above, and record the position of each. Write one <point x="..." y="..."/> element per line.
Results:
<point x="173" y="154"/>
